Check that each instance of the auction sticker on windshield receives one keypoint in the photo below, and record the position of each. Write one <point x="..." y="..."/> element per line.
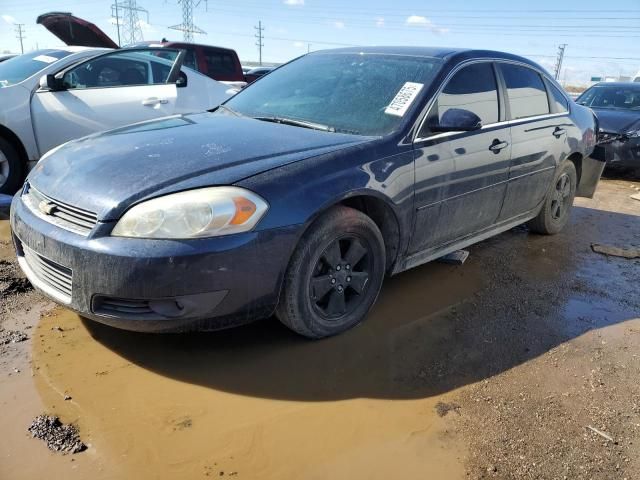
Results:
<point x="403" y="99"/>
<point x="45" y="59"/>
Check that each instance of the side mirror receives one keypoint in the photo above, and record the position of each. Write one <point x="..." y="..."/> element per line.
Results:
<point x="50" y="82"/>
<point x="457" y="120"/>
<point x="181" y="81"/>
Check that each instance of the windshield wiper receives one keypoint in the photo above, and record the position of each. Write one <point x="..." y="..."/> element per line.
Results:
<point x="297" y="123"/>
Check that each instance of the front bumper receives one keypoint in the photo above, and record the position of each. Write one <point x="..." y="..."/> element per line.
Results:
<point x="623" y="153"/>
<point x="154" y="285"/>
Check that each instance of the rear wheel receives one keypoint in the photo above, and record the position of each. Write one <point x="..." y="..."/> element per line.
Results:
<point x="555" y="211"/>
<point x="334" y="276"/>
<point x="11" y="168"/>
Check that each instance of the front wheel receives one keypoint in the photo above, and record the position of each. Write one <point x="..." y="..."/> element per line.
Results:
<point x="554" y="214"/>
<point x="334" y="276"/>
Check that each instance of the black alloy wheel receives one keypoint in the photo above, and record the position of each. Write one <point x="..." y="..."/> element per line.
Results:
<point x="556" y="207"/>
<point x="340" y="277"/>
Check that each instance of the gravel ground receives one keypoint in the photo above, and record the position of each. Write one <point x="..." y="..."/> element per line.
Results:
<point x="569" y="320"/>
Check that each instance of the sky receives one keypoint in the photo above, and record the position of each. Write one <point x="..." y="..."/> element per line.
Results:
<point x="599" y="42"/>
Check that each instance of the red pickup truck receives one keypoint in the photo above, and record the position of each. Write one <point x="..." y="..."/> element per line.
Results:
<point x="219" y="63"/>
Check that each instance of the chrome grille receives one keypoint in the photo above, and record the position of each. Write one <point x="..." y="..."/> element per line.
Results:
<point x="59" y="213"/>
<point x="50" y="273"/>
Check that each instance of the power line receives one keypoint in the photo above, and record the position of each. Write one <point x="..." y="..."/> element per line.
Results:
<point x="20" y="35"/>
<point x="259" y="37"/>
<point x="187" y="26"/>
<point x="465" y="28"/>
<point x="341" y="44"/>
<point x="431" y="15"/>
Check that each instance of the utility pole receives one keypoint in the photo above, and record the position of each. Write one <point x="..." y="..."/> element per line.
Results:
<point x="20" y="35"/>
<point x="187" y="26"/>
<point x="131" y="29"/>
<point x="259" y="38"/>
<point x="308" y="47"/>
<point x="561" y="48"/>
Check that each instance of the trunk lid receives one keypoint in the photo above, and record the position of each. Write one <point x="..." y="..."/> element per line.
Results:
<point x="75" y="31"/>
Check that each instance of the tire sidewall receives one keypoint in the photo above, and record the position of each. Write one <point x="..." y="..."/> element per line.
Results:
<point x="313" y="245"/>
<point x="13" y="183"/>
<point x="555" y="225"/>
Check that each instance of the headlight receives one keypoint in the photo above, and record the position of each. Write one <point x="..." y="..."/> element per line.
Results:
<point x="206" y="212"/>
<point x="633" y="134"/>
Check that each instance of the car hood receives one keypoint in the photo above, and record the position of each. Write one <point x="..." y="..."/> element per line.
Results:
<point x="75" y="31"/>
<point x="108" y="172"/>
<point x="617" y="121"/>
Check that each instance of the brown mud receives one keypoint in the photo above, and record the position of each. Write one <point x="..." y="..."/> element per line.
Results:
<point x="490" y="369"/>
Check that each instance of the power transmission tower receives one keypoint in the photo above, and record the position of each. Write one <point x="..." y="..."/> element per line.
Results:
<point x="561" y="48"/>
<point x="259" y="37"/>
<point x="187" y="26"/>
<point x="20" y="35"/>
<point x="126" y="13"/>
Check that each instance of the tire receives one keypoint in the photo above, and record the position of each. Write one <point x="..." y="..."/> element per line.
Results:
<point x="319" y="275"/>
<point x="556" y="208"/>
<point x="11" y="168"/>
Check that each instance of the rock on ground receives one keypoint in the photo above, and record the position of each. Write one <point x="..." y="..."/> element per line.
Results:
<point x="58" y="436"/>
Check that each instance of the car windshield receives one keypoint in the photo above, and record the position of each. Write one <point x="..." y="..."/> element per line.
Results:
<point x="604" y="96"/>
<point x="341" y="92"/>
<point x="19" y="68"/>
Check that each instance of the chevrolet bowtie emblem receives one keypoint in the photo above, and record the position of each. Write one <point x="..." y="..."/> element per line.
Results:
<point x="46" y="207"/>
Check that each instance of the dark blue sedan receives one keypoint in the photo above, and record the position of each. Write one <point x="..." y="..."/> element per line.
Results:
<point x="299" y="194"/>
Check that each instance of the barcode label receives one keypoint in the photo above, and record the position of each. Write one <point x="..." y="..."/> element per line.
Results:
<point x="403" y="99"/>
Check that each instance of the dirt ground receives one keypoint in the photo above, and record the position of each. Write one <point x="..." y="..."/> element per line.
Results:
<point x="522" y="363"/>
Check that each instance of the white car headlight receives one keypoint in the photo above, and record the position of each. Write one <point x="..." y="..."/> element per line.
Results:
<point x="205" y="212"/>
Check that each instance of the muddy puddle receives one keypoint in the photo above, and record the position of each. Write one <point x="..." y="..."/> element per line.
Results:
<point x="258" y="401"/>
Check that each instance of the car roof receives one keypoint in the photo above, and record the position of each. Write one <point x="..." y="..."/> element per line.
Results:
<point x="169" y="43"/>
<point x="76" y="49"/>
<point x="444" y="53"/>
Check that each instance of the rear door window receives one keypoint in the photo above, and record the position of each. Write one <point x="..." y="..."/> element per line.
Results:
<point x="526" y="92"/>
<point x="219" y="63"/>
<point x="472" y="88"/>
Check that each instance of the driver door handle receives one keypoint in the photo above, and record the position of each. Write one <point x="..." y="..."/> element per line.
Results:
<point x="153" y="101"/>
<point x="498" y="145"/>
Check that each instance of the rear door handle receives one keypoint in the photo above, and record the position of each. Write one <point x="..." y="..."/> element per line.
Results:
<point x="153" y="101"/>
<point x="558" y="132"/>
<point x="498" y="145"/>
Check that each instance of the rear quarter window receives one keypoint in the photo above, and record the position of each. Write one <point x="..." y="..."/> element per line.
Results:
<point x="527" y="95"/>
<point x="559" y="100"/>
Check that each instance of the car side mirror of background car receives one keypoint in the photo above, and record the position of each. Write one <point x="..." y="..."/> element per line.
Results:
<point x="181" y="82"/>
<point x="50" y="82"/>
<point x="457" y="120"/>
